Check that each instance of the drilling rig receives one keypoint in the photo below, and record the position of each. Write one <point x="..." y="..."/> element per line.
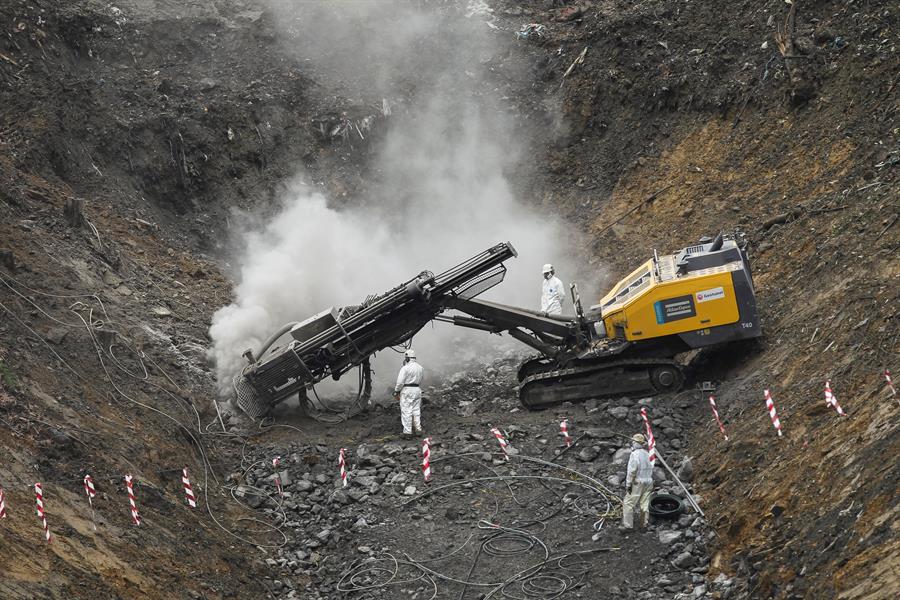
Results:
<point x="697" y="297"/>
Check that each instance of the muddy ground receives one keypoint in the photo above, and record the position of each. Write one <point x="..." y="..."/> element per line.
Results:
<point x="681" y="119"/>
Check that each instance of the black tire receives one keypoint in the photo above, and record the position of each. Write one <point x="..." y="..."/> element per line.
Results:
<point x="667" y="378"/>
<point x="666" y="506"/>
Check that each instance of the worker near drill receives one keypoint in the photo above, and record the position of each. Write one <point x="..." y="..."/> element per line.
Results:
<point x="638" y="483"/>
<point x="408" y="392"/>
<point x="552" y="295"/>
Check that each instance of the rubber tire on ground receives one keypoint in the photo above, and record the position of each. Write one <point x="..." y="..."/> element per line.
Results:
<point x="666" y="506"/>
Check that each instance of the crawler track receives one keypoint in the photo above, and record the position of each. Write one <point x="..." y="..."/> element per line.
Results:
<point x="540" y="389"/>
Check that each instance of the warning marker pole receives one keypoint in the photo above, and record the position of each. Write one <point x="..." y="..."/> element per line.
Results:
<point x="712" y="403"/>
<point x="770" y="405"/>
<point x="90" y="492"/>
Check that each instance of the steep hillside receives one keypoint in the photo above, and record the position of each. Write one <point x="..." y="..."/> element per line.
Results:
<point x="645" y="126"/>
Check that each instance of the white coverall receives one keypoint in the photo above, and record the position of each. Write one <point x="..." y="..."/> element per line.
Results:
<point x="552" y="296"/>
<point x="639" y="483"/>
<point x="408" y="381"/>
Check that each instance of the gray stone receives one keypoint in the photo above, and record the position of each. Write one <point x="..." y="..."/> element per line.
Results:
<point x="669" y="537"/>
<point x="658" y="475"/>
<point x="304" y="486"/>
<point x="357" y="495"/>
<point x="685" y="560"/>
<point x="409" y="490"/>
<point x="621" y="456"/>
<point x="587" y="454"/>
<point x="618" y="412"/>
<point x="665" y="422"/>
<point x="686" y="470"/>
<point x="285" y="478"/>
<point x="614" y="480"/>
<point x="466" y="408"/>
<point x="323" y="535"/>
<point x="699" y="591"/>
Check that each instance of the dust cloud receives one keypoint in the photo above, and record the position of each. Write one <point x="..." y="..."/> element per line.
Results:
<point x="440" y="189"/>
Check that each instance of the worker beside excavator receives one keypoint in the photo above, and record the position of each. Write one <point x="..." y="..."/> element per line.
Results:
<point x="552" y="295"/>
<point x="638" y="484"/>
<point x="408" y="392"/>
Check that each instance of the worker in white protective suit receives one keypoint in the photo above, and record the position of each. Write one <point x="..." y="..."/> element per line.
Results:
<point x="552" y="295"/>
<point x="408" y="392"/>
<point x="638" y="483"/>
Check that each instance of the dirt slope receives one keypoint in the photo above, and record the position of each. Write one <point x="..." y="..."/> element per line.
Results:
<point x="682" y="119"/>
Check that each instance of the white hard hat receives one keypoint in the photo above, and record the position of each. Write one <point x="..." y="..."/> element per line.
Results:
<point x="410" y="353"/>
<point x="547" y="268"/>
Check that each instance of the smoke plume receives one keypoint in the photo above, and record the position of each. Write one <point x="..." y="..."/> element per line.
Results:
<point x="440" y="189"/>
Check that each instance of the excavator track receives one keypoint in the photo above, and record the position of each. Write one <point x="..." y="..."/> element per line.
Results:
<point x="598" y="379"/>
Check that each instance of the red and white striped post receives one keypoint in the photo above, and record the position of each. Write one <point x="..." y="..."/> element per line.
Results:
<point x="426" y="459"/>
<point x="275" y="462"/>
<point x="712" y="403"/>
<point x="890" y="384"/>
<point x="831" y="400"/>
<point x="501" y="440"/>
<point x="39" y="505"/>
<point x="2" y="505"/>
<point x="651" y="441"/>
<point x="188" y="492"/>
<point x="564" y="431"/>
<point x="91" y="493"/>
<point x="342" y="462"/>
<point x="132" y="500"/>
<point x="770" y="406"/>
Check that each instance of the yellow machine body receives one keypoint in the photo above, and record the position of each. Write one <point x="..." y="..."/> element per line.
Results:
<point x="694" y="296"/>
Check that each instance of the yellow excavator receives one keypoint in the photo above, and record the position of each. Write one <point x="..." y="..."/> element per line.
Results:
<point x="699" y="296"/>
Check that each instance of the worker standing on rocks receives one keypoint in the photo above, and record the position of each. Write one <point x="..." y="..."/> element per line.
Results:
<point x="638" y="483"/>
<point x="552" y="295"/>
<point x="408" y="392"/>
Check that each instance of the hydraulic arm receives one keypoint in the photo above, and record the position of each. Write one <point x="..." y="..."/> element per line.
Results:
<point x="335" y="341"/>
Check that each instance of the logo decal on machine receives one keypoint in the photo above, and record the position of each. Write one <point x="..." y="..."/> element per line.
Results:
<point x="674" y="309"/>
<point x="713" y="294"/>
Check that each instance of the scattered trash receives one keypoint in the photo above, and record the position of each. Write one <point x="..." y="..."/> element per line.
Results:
<point x="531" y="29"/>
<point x="576" y="62"/>
<point x="569" y="13"/>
